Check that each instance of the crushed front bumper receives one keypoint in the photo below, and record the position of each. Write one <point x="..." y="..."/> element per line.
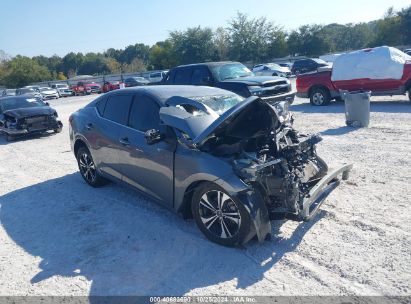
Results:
<point x="314" y="199"/>
<point x="48" y="126"/>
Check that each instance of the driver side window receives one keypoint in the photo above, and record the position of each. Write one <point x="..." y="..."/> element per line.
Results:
<point x="144" y="114"/>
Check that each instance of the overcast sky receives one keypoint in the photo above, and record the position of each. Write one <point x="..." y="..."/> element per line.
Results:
<point x="50" y="27"/>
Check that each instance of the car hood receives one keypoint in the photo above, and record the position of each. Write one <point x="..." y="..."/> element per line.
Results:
<point x="27" y="112"/>
<point x="49" y="92"/>
<point x="255" y="80"/>
<point x="201" y="128"/>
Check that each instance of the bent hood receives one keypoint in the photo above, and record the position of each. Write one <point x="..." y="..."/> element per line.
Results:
<point x="201" y="128"/>
<point x="256" y="80"/>
<point x="28" y="112"/>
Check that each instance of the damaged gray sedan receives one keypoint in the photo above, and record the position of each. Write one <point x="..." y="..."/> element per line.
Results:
<point x="232" y="164"/>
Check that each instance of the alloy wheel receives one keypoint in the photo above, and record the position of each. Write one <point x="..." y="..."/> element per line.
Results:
<point x="219" y="214"/>
<point x="87" y="167"/>
<point x="318" y="99"/>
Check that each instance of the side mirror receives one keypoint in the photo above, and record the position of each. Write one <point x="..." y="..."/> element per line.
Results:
<point x="47" y="104"/>
<point x="153" y="136"/>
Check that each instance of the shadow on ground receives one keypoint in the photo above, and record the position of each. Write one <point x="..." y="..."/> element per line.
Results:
<point x="125" y="244"/>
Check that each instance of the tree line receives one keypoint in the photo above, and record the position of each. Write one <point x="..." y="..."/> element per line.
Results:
<point x="244" y="39"/>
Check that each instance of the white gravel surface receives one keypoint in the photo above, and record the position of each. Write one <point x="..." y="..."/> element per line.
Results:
<point x="59" y="236"/>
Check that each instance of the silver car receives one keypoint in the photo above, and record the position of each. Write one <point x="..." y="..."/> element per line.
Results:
<point x="49" y="93"/>
<point x="231" y="163"/>
<point x="271" y="69"/>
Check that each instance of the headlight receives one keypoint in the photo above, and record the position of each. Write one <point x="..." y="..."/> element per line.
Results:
<point x="282" y="110"/>
<point x="255" y="90"/>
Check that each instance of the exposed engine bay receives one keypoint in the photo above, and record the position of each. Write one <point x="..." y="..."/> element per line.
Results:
<point x="269" y="154"/>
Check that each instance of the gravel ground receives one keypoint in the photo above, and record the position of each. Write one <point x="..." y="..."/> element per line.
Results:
<point x="59" y="236"/>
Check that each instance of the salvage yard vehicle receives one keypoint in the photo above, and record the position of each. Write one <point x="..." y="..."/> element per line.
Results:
<point x="307" y="65"/>
<point x="8" y="92"/>
<point x="86" y="88"/>
<point x="135" y="82"/>
<point x="110" y="86"/>
<point x="49" y="93"/>
<point x="29" y="92"/>
<point x="230" y="163"/>
<point x="232" y="76"/>
<point x="381" y="70"/>
<point x="62" y="89"/>
<point x="20" y="115"/>
<point x="271" y="69"/>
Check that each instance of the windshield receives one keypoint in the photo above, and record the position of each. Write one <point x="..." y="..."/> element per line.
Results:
<point x="61" y="86"/>
<point x="230" y="71"/>
<point x="320" y="61"/>
<point x="24" y="91"/>
<point x="45" y="89"/>
<point x="18" y="103"/>
<point x="218" y="103"/>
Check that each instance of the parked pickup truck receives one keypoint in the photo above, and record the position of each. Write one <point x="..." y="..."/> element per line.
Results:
<point x="86" y="88"/>
<point x="234" y="77"/>
<point x="322" y="87"/>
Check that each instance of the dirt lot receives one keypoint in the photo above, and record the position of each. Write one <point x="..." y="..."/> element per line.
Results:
<point x="59" y="236"/>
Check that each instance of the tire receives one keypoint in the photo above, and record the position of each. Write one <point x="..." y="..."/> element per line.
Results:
<point x="88" y="169"/>
<point x="409" y="94"/>
<point x="275" y="74"/>
<point x="320" y="97"/>
<point x="227" y="223"/>
<point x="59" y="129"/>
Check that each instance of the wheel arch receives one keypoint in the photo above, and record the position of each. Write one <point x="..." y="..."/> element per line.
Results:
<point x="185" y="206"/>
<point x="78" y="144"/>
<point x="408" y="84"/>
<point x="318" y="86"/>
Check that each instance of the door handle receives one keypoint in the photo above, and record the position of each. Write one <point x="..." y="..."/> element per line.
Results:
<point x="124" y="141"/>
<point x="89" y="126"/>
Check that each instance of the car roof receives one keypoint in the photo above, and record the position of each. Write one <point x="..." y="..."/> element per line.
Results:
<point x="163" y="92"/>
<point x="217" y="63"/>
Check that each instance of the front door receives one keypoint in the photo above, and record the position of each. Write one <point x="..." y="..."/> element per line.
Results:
<point x="147" y="167"/>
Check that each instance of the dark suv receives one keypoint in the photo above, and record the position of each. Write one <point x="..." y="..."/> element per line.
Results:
<point x="307" y="65"/>
<point x="231" y="76"/>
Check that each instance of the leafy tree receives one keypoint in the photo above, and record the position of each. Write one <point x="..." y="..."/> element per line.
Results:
<point x="162" y="55"/>
<point x="405" y="24"/>
<point x="61" y="76"/>
<point x="309" y="40"/>
<point x="221" y="43"/>
<point x="255" y="39"/>
<point x="193" y="45"/>
<point x="71" y="63"/>
<point x="137" y="65"/>
<point x="389" y="30"/>
<point x="23" y="70"/>
<point x="138" y="50"/>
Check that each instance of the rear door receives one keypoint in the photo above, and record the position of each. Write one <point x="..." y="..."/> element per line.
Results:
<point x="147" y="167"/>
<point x="105" y="132"/>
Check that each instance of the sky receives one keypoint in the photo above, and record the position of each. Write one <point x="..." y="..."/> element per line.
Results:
<point x="47" y="27"/>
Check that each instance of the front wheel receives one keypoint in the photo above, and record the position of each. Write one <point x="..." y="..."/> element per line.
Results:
<point x="320" y="97"/>
<point x="221" y="218"/>
<point x="88" y="168"/>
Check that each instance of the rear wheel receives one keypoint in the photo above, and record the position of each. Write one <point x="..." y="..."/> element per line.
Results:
<point x="88" y="168"/>
<point x="220" y="217"/>
<point x="320" y="97"/>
